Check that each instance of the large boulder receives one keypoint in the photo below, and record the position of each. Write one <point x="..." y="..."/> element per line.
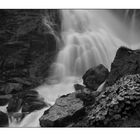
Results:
<point x="78" y="87"/>
<point x="28" y="94"/>
<point x="126" y="62"/>
<point x="3" y="119"/>
<point x="32" y="106"/>
<point x="67" y="109"/>
<point x="28" y="100"/>
<point x="32" y="101"/>
<point x="14" y="104"/>
<point x="95" y="76"/>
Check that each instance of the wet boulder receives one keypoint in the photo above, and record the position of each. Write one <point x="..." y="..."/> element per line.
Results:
<point x="29" y="107"/>
<point x="88" y="99"/>
<point x="4" y="99"/>
<point x="126" y="62"/>
<point x="78" y="87"/>
<point x="3" y="119"/>
<point x="28" y="100"/>
<point x="67" y="108"/>
<point x="28" y="94"/>
<point x="31" y="101"/>
<point x="11" y="73"/>
<point x="25" y="82"/>
<point x="95" y="76"/>
<point x="14" y="104"/>
<point x="8" y="88"/>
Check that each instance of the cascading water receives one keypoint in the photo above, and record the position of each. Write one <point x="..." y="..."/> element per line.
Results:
<point x="87" y="40"/>
<point x="90" y="37"/>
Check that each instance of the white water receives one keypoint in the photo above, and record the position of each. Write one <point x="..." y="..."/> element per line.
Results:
<point x="90" y="37"/>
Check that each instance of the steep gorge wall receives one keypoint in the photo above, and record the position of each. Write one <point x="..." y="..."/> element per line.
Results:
<point x="28" y="42"/>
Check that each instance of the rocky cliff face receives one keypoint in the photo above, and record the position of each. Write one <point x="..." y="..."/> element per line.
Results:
<point x="28" y="43"/>
<point x="28" y="46"/>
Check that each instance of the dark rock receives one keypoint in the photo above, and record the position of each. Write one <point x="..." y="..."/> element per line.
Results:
<point x="10" y="73"/>
<point x="88" y="99"/>
<point x="114" y="106"/>
<point x="14" y="55"/>
<point x="31" y="101"/>
<point x="4" y="99"/>
<point x="94" y="77"/>
<point x="66" y="109"/>
<point x="32" y="106"/>
<point x="15" y="104"/>
<point x="28" y="94"/>
<point x="126" y="62"/>
<point x="24" y="81"/>
<point x="132" y="120"/>
<point x="28" y="100"/>
<point x="8" y="88"/>
<point x="3" y="119"/>
<point x="78" y="87"/>
<point x="41" y="54"/>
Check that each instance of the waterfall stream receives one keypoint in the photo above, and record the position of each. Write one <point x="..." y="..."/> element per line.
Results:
<point x="90" y="37"/>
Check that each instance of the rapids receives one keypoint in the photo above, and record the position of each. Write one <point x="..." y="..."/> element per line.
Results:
<point x="90" y="37"/>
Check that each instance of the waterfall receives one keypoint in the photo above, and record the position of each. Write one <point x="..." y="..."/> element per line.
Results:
<point x="88" y="41"/>
<point x="90" y="37"/>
